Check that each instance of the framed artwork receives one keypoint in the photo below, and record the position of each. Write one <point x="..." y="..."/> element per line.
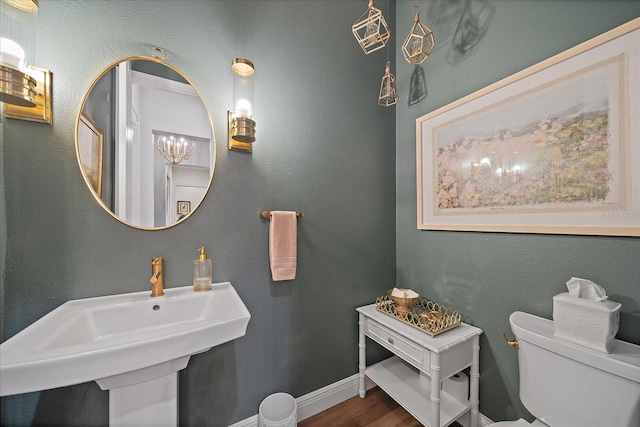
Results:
<point x="552" y="149"/>
<point x="90" y="142"/>
<point x="184" y="207"/>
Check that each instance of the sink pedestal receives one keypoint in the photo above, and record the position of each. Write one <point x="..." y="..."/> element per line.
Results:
<point x="146" y="397"/>
<point x="152" y="403"/>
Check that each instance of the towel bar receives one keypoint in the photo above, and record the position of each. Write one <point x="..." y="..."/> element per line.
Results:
<point x="267" y="214"/>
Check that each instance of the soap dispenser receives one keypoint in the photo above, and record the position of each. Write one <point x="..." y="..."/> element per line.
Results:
<point x="202" y="272"/>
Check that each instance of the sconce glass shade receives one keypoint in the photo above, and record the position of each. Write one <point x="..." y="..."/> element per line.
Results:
<point x="371" y="29"/>
<point x="419" y="43"/>
<point x="17" y="49"/>
<point x="242" y="127"/>
<point x="388" y="89"/>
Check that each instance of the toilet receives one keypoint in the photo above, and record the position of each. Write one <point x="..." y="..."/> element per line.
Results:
<point x="564" y="384"/>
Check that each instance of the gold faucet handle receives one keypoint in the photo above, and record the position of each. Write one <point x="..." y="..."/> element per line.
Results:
<point x="511" y="343"/>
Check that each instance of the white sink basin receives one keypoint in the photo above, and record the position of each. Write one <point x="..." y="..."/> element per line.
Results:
<point x="119" y="340"/>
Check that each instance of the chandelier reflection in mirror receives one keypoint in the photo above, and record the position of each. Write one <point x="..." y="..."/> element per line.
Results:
<point x="419" y="43"/>
<point x="174" y="148"/>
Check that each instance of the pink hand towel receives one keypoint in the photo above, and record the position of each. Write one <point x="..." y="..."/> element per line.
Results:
<point x="283" y="245"/>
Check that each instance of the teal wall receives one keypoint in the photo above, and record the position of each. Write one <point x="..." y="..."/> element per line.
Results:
<point x="323" y="147"/>
<point x="490" y="275"/>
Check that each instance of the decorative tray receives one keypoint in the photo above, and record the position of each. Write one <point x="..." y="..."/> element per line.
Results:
<point x="425" y="315"/>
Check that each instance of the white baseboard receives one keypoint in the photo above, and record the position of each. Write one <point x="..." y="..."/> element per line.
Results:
<point x="484" y="420"/>
<point x="317" y="401"/>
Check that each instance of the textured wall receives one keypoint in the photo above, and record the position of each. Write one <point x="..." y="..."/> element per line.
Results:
<point x="323" y="147"/>
<point x="490" y="275"/>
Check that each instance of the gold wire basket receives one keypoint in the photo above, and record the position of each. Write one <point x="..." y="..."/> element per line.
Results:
<point x="425" y="315"/>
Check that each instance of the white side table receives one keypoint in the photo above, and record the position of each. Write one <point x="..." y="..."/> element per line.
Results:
<point x="413" y="376"/>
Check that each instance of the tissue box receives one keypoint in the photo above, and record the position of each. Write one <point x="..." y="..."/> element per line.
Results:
<point x="590" y="323"/>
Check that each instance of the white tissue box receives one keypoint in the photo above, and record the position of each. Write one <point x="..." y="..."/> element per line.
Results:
<point x="590" y="323"/>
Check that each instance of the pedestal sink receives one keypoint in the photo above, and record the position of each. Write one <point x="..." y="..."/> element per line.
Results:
<point x="130" y="344"/>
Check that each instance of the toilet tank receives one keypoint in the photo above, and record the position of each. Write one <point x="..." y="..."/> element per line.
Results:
<point x="565" y="384"/>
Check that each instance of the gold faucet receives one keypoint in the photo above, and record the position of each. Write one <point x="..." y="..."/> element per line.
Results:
<point x="156" y="277"/>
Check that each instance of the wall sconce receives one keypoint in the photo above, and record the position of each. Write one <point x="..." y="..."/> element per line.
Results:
<point x="242" y="127"/>
<point x="419" y="43"/>
<point x="25" y="90"/>
<point x="371" y="29"/>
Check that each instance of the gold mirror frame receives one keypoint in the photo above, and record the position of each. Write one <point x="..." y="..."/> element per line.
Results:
<point x="88" y="127"/>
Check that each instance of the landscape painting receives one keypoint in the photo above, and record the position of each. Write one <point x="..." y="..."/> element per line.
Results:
<point x="547" y="150"/>
<point x="556" y="147"/>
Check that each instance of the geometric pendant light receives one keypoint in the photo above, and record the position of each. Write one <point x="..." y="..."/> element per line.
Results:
<point x="371" y="30"/>
<point x="419" y="43"/>
<point x="388" y="89"/>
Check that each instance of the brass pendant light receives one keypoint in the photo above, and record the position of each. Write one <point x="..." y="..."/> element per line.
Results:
<point x="419" y="43"/>
<point x="388" y="89"/>
<point x="371" y="29"/>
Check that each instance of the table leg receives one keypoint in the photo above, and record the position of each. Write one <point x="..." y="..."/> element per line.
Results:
<point x="474" y="391"/>
<point x="435" y="389"/>
<point x="362" y="356"/>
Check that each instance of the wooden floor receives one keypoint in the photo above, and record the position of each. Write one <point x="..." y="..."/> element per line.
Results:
<point x="375" y="410"/>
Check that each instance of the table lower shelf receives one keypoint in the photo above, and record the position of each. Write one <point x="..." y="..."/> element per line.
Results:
<point x="412" y="391"/>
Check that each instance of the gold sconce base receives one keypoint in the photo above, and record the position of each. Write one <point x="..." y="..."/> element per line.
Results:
<point x="241" y="132"/>
<point x="41" y="112"/>
<point x="16" y="87"/>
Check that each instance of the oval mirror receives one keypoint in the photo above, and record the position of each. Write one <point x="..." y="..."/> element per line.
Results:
<point x="145" y="143"/>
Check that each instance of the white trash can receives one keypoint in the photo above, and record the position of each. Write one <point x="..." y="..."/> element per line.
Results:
<point x="278" y="410"/>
